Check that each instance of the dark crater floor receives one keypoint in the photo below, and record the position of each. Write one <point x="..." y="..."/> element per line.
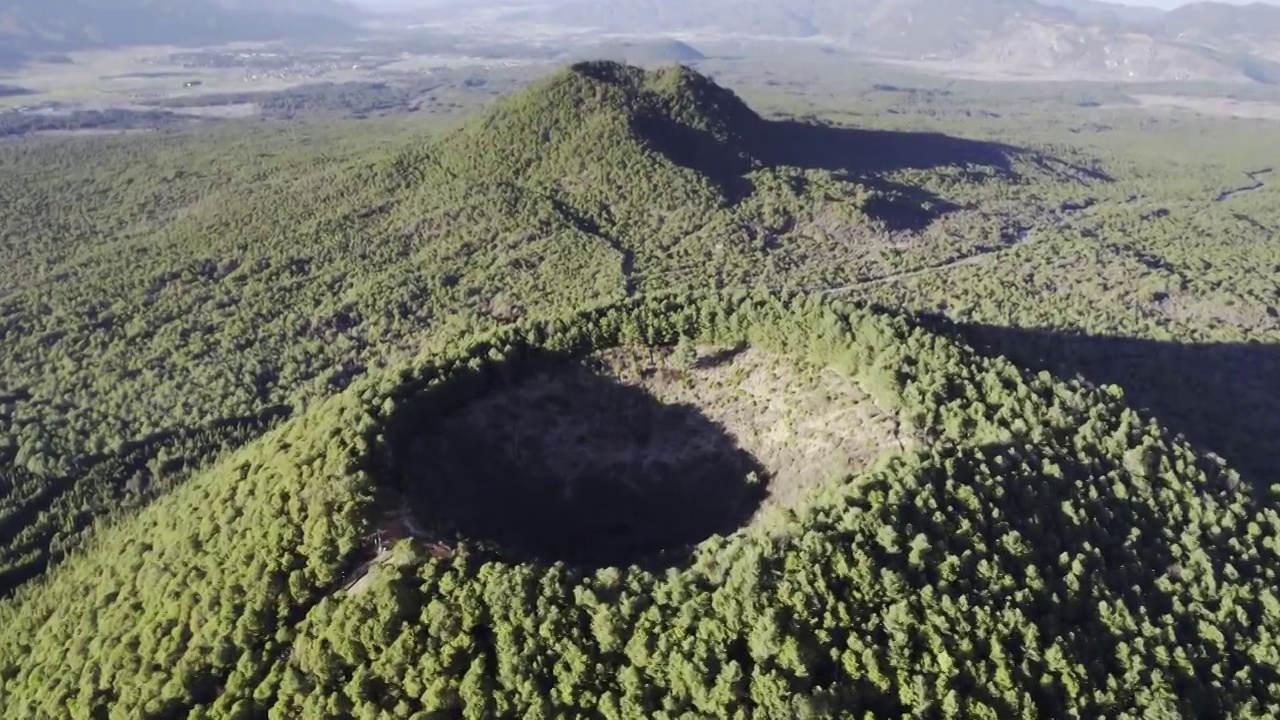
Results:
<point x="569" y="465"/>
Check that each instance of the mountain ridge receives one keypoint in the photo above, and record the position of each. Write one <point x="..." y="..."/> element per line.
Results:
<point x="1089" y="39"/>
<point x="28" y="26"/>
<point x="1083" y="37"/>
<point x="1252" y="28"/>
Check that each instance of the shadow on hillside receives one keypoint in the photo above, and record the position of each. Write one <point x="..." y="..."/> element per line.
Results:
<point x="902" y="207"/>
<point x="66" y="506"/>
<point x="721" y="162"/>
<point x="1224" y="398"/>
<point x="857" y="151"/>
<point x="898" y="206"/>
<point x="852" y="152"/>
<point x="853" y="155"/>
<point x="566" y="465"/>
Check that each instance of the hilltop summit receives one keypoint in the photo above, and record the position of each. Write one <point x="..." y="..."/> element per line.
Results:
<point x="610" y="158"/>
<point x="667" y="168"/>
<point x="642" y="52"/>
<point x="577" y="116"/>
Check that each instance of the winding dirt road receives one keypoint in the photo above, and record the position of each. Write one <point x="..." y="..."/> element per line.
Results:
<point x="1026" y="236"/>
<point x="1018" y="238"/>
<point x="1255" y="183"/>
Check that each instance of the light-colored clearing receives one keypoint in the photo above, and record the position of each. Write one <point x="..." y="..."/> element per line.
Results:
<point x="237" y="110"/>
<point x="1213" y="106"/>
<point x="997" y="72"/>
<point x="118" y="78"/>
<point x="1207" y="312"/>
<point x="77" y="132"/>
<point x="805" y="425"/>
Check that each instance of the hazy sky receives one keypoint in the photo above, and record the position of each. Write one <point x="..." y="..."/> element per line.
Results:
<point x="1175" y="3"/>
<point x="1149" y="3"/>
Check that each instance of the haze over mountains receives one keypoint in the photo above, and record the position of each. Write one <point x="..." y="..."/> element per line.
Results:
<point x="1073" y="38"/>
<point x="59" y="25"/>
<point x="1206" y="40"/>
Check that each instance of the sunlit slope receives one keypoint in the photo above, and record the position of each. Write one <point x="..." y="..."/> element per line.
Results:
<point x="1037" y="549"/>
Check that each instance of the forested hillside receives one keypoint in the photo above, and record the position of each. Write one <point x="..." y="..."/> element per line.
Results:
<point x="199" y="296"/>
<point x="1046" y="552"/>
<point x="620" y="398"/>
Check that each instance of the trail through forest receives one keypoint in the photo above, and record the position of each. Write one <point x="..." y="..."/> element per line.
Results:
<point x="1255" y="184"/>
<point x="1019" y="237"/>
<point x="1025" y="236"/>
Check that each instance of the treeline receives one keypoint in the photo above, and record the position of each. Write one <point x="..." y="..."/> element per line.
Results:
<point x="23" y="123"/>
<point x="352" y="97"/>
<point x="442" y="91"/>
<point x="1049" y="554"/>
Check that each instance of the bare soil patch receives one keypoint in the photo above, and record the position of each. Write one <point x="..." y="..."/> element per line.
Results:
<point x="232" y="111"/>
<point x="804" y="424"/>
<point x="1208" y="312"/>
<point x="1213" y="106"/>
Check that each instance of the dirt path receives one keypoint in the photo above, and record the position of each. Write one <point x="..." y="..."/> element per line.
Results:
<point x="1026" y="236"/>
<point x="592" y="228"/>
<point x="970" y="260"/>
<point x="1018" y="238"/>
<point x="1255" y="183"/>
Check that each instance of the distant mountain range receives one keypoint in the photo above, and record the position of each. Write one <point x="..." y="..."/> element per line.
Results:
<point x="1073" y="38"/>
<point x="1253" y="29"/>
<point x="1205" y="40"/>
<point x="1106" y="12"/>
<point x="36" y="26"/>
